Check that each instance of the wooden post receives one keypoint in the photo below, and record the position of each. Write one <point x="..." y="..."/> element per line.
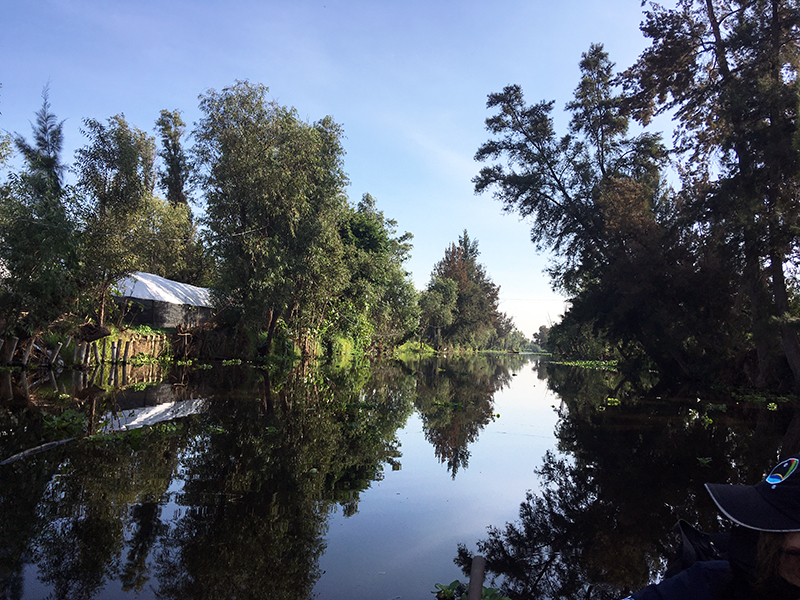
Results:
<point x="55" y="354"/>
<point x="96" y="355"/>
<point x="103" y="354"/>
<point x="476" y="575"/>
<point x="7" y="392"/>
<point x="25" y="387"/>
<point x="10" y="349"/>
<point x="27" y="355"/>
<point x="125" y="356"/>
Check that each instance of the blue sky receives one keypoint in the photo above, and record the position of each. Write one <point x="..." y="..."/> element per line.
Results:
<point x="407" y="80"/>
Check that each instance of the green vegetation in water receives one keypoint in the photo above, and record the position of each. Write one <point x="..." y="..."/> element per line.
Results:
<point x="232" y="362"/>
<point x="587" y="364"/>
<point x="760" y="397"/>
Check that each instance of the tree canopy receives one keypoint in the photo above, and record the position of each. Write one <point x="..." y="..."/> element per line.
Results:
<point x="460" y="304"/>
<point x="699" y="279"/>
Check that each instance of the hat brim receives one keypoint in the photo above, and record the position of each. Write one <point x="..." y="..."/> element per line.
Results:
<point x="745" y="506"/>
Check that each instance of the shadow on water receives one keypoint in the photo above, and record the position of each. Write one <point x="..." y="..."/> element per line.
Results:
<point x="627" y="466"/>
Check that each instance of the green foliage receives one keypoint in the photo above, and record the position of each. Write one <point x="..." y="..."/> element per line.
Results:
<point x="274" y="192"/>
<point x="413" y="349"/>
<point x="143" y="359"/>
<point x="163" y="237"/>
<point x="378" y="306"/>
<point x="460" y="306"/>
<point x="38" y="231"/>
<point x="174" y="175"/>
<point x="145" y="330"/>
<point x="69" y="423"/>
<point x="645" y="286"/>
<point x="731" y="85"/>
<point x="116" y="176"/>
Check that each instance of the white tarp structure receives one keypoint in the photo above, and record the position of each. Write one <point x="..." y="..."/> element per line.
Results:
<point x="146" y="286"/>
<point x="153" y="300"/>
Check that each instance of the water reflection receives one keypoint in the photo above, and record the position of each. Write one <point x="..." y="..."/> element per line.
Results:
<point x="237" y="499"/>
<point x="627" y="468"/>
<point x="249" y="482"/>
<point x="455" y="399"/>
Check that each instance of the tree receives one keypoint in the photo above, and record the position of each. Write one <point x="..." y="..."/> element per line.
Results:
<point x="116" y="173"/>
<point x="561" y="183"/>
<point x="475" y="317"/>
<point x="274" y="191"/>
<point x="437" y="307"/>
<point x="37" y="231"/>
<point x="728" y="71"/>
<point x="378" y="306"/>
<point x="162" y="236"/>
<point x="641" y="277"/>
<point x="174" y="175"/>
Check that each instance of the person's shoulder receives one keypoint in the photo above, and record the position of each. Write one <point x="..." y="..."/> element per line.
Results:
<point x="704" y="580"/>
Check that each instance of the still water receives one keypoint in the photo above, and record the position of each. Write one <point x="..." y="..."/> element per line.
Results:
<point x="362" y="484"/>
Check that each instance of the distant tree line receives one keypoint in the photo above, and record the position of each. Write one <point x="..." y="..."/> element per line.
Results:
<point x="697" y="279"/>
<point x="291" y="261"/>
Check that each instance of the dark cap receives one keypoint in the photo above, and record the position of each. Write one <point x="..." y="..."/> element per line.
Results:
<point x="771" y="505"/>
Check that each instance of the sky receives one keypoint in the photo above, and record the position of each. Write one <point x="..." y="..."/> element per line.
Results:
<point x="407" y="80"/>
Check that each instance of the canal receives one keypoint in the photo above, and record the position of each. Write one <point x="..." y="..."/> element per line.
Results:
<point x="363" y="483"/>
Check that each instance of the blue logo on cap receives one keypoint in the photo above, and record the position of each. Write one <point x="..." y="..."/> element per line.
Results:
<point x="783" y="471"/>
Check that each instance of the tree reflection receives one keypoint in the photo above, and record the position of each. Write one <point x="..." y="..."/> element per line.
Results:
<point x="84" y="511"/>
<point x="264" y="475"/>
<point x="261" y="471"/>
<point x="601" y="523"/>
<point x="455" y="398"/>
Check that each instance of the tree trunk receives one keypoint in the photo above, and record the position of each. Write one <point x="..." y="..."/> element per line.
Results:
<point x="274" y="317"/>
<point x="789" y="337"/>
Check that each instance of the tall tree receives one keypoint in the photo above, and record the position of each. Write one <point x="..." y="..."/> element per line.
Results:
<point x="635" y="271"/>
<point x="476" y="316"/>
<point x="274" y="191"/>
<point x="37" y="229"/>
<point x="559" y="182"/>
<point x="728" y="70"/>
<point x="116" y="173"/>
<point x="174" y="175"/>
